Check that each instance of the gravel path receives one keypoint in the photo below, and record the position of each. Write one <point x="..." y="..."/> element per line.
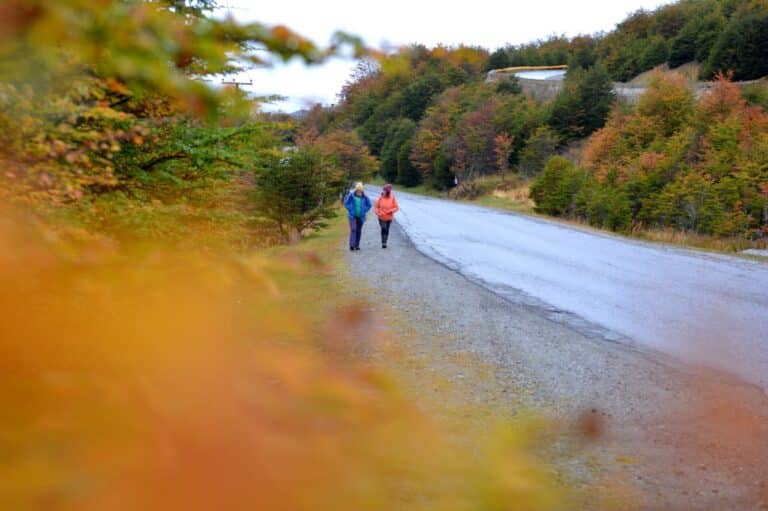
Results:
<point x="680" y="437"/>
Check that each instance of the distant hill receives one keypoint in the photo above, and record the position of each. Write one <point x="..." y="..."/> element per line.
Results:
<point x="299" y="114"/>
<point x="719" y="35"/>
<point x="685" y="149"/>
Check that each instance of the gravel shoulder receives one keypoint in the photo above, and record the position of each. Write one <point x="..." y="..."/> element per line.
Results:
<point x="668" y="435"/>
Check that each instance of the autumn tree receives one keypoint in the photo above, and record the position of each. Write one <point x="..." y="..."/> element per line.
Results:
<point x="345" y="151"/>
<point x="473" y="143"/>
<point x="119" y="122"/>
<point x="671" y="161"/>
<point x="502" y="148"/>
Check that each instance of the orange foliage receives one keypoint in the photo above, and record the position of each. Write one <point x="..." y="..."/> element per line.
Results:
<point x="718" y="145"/>
<point x="723" y="99"/>
<point x="134" y="380"/>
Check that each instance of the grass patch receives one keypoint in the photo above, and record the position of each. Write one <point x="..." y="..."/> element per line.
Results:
<point x="310" y="277"/>
<point x="510" y="196"/>
<point x="423" y="190"/>
<point x="729" y="245"/>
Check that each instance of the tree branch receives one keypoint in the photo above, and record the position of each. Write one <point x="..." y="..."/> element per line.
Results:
<point x="162" y="159"/>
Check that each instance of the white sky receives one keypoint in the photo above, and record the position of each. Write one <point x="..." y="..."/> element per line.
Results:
<point x="487" y="23"/>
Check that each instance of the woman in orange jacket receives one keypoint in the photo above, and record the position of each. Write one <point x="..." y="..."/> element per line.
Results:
<point x="385" y="208"/>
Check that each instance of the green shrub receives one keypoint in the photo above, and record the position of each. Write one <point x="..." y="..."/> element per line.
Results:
<point x="555" y="190"/>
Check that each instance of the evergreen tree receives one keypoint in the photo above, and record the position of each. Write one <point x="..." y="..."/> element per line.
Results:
<point x="741" y="48"/>
<point x="399" y="132"/>
<point x="498" y="60"/>
<point x="584" y="103"/>
<point x="407" y="173"/>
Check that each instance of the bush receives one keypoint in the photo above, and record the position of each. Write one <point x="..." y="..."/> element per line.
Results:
<point x="603" y="206"/>
<point x="756" y="94"/>
<point x="473" y="189"/>
<point x="509" y="85"/>
<point x="538" y="150"/>
<point x="466" y="190"/>
<point x="442" y="178"/>
<point x="555" y="190"/>
<point x="298" y="191"/>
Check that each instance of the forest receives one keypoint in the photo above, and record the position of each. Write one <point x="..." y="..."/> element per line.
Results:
<point x="671" y="160"/>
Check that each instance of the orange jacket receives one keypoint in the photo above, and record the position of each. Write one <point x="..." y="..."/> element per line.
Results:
<point x="386" y="207"/>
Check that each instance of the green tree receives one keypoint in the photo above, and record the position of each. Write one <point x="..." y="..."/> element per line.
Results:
<point x="399" y="133"/>
<point x="656" y="53"/>
<point x="298" y="190"/>
<point x="539" y="148"/>
<point x="499" y="59"/>
<point x="695" y="40"/>
<point x="407" y="173"/>
<point x="509" y="85"/>
<point x="418" y="95"/>
<point x="741" y="48"/>
<point x="584" y="103"/>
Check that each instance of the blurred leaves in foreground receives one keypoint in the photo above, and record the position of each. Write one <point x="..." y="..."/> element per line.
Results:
<point x="140" y="372"/>
<point x="170" y="381"/>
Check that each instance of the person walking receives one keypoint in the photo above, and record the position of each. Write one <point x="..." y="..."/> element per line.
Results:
<point x="385" y="208"/>
<point x="357" y="204"/>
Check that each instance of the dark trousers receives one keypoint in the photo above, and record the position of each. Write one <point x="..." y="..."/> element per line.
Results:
<point x="355" y="230"/>
<point x="384" y="230"/>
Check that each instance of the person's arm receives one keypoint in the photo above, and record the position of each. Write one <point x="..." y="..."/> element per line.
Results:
<point x="377" y="207"/>
<point x="395" y="205"/>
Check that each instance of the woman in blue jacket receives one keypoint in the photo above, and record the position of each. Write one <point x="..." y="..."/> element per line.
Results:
<point x="357" y="204"/>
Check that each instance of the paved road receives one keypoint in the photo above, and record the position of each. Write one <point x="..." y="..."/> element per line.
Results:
<point x="705" y="309"/>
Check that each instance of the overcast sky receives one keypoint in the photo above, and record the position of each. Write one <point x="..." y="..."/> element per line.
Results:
<point x="487" y="23"/>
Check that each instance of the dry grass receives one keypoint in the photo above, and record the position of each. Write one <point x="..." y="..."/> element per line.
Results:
<point x="689" y="71"/>
<point x="510" y="194"/>
<point x="516" y="69"/>
<point x="692" y="239"/>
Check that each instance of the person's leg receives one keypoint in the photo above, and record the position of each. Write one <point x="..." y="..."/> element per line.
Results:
<point x="352" y="232"/>
<point x="383" y="225"/>
<point x="359" y="232"/>
<point x="386" y="231"/>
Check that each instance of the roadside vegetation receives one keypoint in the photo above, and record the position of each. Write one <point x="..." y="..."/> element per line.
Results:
<point x="162" y="347"/>
<point x="695" y="167"/>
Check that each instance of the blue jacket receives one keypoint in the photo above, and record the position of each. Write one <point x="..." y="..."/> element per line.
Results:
<point x="349" y="203"/>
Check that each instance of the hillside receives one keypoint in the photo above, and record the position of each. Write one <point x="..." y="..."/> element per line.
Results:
<point x="431" y="118"/>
